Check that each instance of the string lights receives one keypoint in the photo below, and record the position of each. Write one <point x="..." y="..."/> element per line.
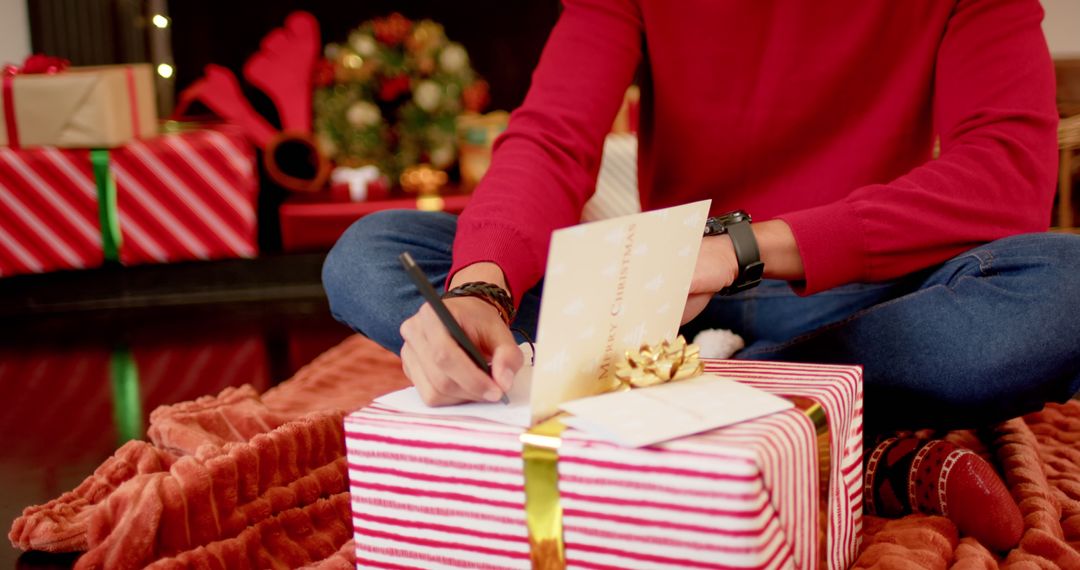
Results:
<point x="159" y="33"/>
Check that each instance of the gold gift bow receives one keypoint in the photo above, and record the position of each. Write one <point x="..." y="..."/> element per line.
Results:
<point x="666" y="363"/>
<point x="648" y="367"/>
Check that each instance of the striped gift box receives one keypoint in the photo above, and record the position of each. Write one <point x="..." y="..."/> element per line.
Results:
<point x="182" y="196"/>
<point x="616" y="184"/>
<point x="448" y="492"/>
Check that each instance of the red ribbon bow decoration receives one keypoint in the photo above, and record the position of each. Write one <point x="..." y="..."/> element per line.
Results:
<point x="41" y="63"/>
<point x="38" y="63"/>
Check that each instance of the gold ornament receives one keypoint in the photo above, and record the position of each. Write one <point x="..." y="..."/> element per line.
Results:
<point x="426" y="182"/>
<point x="352" y="61"/>
<point x="666" y="362"/>
<point x="350" y="67"/>
<point x="425" y="36"/>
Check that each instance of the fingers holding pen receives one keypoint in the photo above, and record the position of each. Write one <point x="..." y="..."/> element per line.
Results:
<point x="452" y="359"/>
<point x="442" y="370"/>
<point x="506" y="360"/>
<point x="430" y="392"/>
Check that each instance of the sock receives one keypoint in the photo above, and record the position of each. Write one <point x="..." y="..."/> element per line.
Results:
<point x="907" y="474"/>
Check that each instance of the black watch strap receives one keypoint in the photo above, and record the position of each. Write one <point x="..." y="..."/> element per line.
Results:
<point x="751" y="268"/>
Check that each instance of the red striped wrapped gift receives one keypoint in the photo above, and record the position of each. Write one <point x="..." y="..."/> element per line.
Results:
<point x="183" y="196"/>
<point x="448" y="492"/>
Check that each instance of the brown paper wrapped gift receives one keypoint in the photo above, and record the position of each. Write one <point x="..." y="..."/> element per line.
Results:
<point x="81" y="107"/>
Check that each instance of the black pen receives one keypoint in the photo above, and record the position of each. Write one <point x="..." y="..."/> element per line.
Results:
<point x="425" y="288"/>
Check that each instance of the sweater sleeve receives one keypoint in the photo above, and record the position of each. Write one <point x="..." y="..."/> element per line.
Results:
<point x="544" y="166"/>
<point x="995" y="114"/>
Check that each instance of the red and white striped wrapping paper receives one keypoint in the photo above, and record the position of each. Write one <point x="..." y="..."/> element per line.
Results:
<point x="448" y="492"/>
<point x="182" y="196"/>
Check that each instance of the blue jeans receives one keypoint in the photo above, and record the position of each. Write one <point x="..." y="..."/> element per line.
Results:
<point x="988" y="335"/>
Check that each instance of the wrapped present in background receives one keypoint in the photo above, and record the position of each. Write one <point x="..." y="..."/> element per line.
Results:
<point x="183" y="196"/>
<point x="315" y="222"/>
<point x="476" y="137"/>
<point x="616" y="185"/>
<point x="81" y="107"/>
<point x="773" y="492"/>
<point x="626" y="120"/>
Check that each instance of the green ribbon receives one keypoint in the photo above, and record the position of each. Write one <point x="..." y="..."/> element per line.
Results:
<point x="127" y="402"/>
<point x="110" y="218"/>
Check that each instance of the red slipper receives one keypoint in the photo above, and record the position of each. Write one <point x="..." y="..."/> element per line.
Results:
<point x="905" y="475"/>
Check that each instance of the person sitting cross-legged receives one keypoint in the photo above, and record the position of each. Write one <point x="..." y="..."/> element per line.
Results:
<point x="817" y="120"/>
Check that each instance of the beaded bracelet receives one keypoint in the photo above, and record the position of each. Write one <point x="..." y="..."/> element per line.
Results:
<point x="489" y="293"/>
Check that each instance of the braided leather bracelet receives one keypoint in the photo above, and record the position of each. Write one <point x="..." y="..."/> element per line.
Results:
<point x="489" y="293"/>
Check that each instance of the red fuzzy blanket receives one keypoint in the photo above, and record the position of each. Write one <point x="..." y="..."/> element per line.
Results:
<point x="240" y="480"/>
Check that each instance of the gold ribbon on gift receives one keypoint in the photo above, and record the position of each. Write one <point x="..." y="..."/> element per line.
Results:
<point x="816" y="413"/>
<point x="649" y="366"/>
<point x="543" y="510"/>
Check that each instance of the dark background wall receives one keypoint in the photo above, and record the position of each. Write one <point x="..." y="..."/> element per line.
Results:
<point x="504" y="38"/>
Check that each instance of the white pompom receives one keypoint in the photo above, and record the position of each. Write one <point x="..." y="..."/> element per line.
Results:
<point x="718" y="343"/>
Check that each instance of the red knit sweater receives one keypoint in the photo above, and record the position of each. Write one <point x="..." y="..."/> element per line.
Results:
<point x="820" y="113"/>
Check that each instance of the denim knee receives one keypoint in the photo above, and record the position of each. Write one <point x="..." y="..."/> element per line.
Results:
<point x="1061" y="313"/>
<point x="1041" y="274"/>
<point x="354" y="272"/>
<point x="340" y="269"/>
<point x="367" y="288"/>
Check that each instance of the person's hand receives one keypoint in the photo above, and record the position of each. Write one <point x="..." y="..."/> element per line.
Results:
<point x="717" y="267"/>
<point x="441" y="371"/>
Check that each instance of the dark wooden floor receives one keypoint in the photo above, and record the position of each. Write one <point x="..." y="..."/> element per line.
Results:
<point x="189" y="329"/>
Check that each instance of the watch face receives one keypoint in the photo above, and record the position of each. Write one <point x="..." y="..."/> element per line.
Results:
<point x="733" y="217"/>
<point x="719" y="224"/>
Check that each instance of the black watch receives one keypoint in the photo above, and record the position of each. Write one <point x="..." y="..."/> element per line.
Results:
<point x="737" y="225"/>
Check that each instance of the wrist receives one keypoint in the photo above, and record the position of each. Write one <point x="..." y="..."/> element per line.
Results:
<point x="485" y="271"/>
<point x="748" y="264"/>
<point x="779" y="251"/>
<point x="489" y="293"/>
<point x="722" y="267"/>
